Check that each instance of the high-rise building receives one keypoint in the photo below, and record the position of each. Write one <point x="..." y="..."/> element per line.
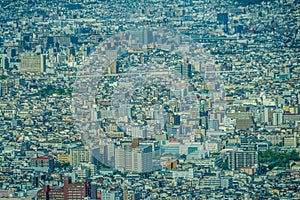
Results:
<point x="266" y="115"/>
<point x="185" y="69"/>
<point x="68" y="192"/>
<point x="123" y="157"/>
<point x="79" y="155"/>
<point x="242" y="159"/>
<point x="111" y="154"/>
<point x="113" y="67"/>
<point x="4" y="62"/>
<point x="277" y="118"/>
<point x="133" y="157"/>
<point x="142" y="159"/>
<point x="33" y="63"/>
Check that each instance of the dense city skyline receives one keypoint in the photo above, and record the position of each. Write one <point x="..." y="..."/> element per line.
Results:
<point x="187" y="99"/>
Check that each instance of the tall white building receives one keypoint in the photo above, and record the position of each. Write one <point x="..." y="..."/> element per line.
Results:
<point x="142" y="159"/>
<point x="266" y="115"/>
<point x="277" y="118"/>
<point x="123" y="158"/>
<point x="80" y="155"/>
<point x="138" y="159"/>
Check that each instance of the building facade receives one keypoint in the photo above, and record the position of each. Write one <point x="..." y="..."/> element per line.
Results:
<point x="79" y="155"/>
<point x="33" y="63"/>
<point x="242" y="159"/>
<point x="70" y="191"/>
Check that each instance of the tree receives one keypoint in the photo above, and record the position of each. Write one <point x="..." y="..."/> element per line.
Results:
<point x="225" y="165"/>
<point x="277" y="159"/>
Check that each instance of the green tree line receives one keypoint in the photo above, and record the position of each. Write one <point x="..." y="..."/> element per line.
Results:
<point x="277" y="159"/>
<point x="50" y="90"/>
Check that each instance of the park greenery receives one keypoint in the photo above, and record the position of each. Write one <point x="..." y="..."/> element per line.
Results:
<point x="277" y="159"/>
<point x="50" y="90"/>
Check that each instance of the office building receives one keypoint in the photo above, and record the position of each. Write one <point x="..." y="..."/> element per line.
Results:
<point x="70" y="191"/>
<point x="79" y="155"/>
<point x="113" y="67"/>
<point x="242" y="159"/>
<point x="4" y="62"/>
<point x="123" y="157"/>
<point x="33" y="63"/>
<point x="142" y="159"/>
<point x="277" y="118"/>
<point x="133" y="157"/>
<point x="185" y="69"/>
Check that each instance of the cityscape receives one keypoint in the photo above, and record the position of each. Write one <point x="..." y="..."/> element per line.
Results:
<point x="131" y="100"/>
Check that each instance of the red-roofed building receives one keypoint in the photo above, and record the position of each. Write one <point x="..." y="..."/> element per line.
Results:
<point x="43" y="162"/>
<point x="68" y="192"/>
